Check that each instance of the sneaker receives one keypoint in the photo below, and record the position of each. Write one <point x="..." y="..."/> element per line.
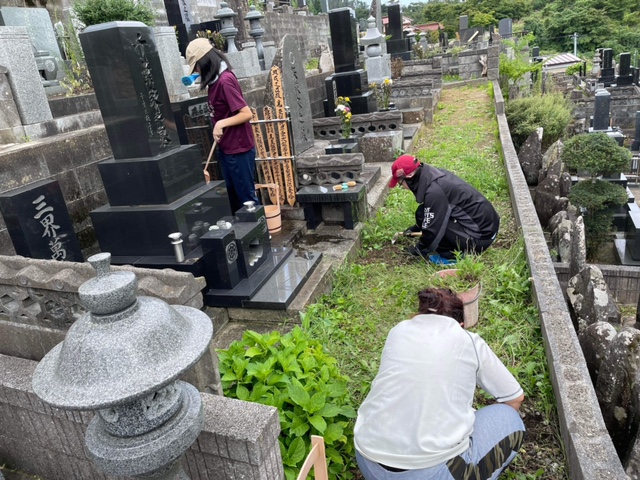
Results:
<point x="439" y="260"/>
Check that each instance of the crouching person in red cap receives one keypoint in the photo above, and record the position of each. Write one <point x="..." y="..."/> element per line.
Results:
<point x="452" y="215"/>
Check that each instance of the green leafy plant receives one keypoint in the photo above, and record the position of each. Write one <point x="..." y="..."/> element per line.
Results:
<point x="77" y="79"/>
<point x="382" y="93"/>
<point x="468" y="274"/>
<point x="552" y="112"/>
<point x="93" y="12"/>
<point x="596" y="154"/>
<point x="575" y="68"/>
<point x="343" y="110"/>
<point x="215" y="37"/>
<point x="293" y="373"/>
<point x="312" y="64"/>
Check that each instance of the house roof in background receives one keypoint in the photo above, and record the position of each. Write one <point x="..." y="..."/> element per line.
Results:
<point x="431" y="26"/>
<point x="562" y="59"/>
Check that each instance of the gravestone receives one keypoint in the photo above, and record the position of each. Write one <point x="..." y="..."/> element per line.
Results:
<point x="161" y="212"/>
<point x="607" y="71"/>
<point x="16" y="55"/>
<point x="38" y="24"/>
<point x="9" y="116"/>
<point x="397" y="45"/>
<point x="463" y="22"/>
<point x="296" y="94"/>
<point x="601" y="113"/>
<point x="625" y="76"/>
<point x="38" y="222"/>
<point x="180" y="17"/>
<point x="505" y="27"/>
<point x="635" y="146"/>
<point x="348" y="80"/>
<point x="172" y="66"/>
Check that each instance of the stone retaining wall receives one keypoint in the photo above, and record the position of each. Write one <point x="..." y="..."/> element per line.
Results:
<point x="589" y="450"/>
<point x="239" y="439"/>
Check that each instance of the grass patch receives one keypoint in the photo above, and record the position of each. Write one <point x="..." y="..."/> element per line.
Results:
<point x="379" y="289"/>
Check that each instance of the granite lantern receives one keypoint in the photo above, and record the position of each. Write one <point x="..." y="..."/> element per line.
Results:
<point x="227" y="30"/>
<point x="256" y="31"/>
<point x="123" y="359"/>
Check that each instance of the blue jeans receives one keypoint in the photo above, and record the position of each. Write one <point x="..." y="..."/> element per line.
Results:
<point x="238" y="170"/>
<point x="497" y="436"/>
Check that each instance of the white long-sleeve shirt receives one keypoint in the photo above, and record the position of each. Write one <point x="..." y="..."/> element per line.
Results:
<point x="419" y="411"/>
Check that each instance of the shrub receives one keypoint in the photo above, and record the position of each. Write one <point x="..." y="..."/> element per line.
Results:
<point x="552" y="112"/>
<point x="595" y="153"/>
<point x="93" y="12"/>
<point x="292" y="373"/>
<point x="596" y="198"/>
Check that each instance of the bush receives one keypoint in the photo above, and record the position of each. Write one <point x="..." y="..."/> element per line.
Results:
<point x="596" y="198"/>
<point x="292" y="373"/>
<point x="552" y="112"/>
<point x="93" y="12"/>
<point x="595" y="153"/>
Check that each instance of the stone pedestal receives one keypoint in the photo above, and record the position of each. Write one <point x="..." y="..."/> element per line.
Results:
<point x="378" y="68"/>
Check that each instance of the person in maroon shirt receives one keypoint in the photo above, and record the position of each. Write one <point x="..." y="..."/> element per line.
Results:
<point x="230" y="115"/>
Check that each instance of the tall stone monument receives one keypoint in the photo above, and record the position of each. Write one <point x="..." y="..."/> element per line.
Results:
<point x="607" y="71"/>
<point x="348" y="80"/>
<point x="397" y="45"/>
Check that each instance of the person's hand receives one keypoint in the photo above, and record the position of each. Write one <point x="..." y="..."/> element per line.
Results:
<point x="410" y="230"/>
<point x="218" y="131"/>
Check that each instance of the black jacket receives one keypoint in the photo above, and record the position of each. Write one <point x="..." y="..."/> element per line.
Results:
<point x="443" y="197"/>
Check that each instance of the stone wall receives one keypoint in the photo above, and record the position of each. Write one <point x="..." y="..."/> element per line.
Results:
<point x="625" y="102"/>
<point x="589" y="449"/>
<point x="239" y="439"/>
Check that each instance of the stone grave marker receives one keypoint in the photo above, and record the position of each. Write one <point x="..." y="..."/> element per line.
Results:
<point x="607" y="71"/>
<point x="505" y="27"/>
<point x="376" y="12"/>
<point x="397" y="45"/>
<point x="38" y="222"/>
<point x="463" y="22"/>
<point x="16" y="55"/>
<point x="296" y="94"/>
<point x="344" y="39"/>
<point x="625" y="76"/>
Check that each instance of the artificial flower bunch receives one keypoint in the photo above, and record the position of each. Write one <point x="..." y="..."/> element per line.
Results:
<point x="383" y="93"/>
<point x="343" y="110"/>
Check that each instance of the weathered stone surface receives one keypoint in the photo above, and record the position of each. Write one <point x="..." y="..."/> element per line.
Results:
<point x="548" y="200"/>
<point x="617" y="389"/>
<point x="380" y="146"/>
<point x="551" y="161"/>
<point x="530" y="157"/>
<point x="589" y="296"/>
<point x="412" y="115"/>
<point x="561" y="239"/>
<point x="557" y="219"/>
<point x="565" y="184"/>
<point x="595" y="341"/>
<point x="578" y="258"/>
<point x="9" y="116"/>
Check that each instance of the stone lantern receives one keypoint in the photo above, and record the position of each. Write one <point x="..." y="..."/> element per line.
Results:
<point x="227" y="30"/>
<point x="373" y="40"/>
<point x="123" y="359"/>
<point x="256" y="31"/>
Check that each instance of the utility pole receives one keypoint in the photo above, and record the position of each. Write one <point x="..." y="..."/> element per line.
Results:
<point x="575" y="44"/>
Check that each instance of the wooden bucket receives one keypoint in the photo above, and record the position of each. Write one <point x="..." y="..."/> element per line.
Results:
<point x="272" y="212"/>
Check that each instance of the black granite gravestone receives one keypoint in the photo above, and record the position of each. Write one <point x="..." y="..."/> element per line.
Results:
<point x="601" y="113"/>
<point x="397" y="45"/>
<point x="347" y="81"/>
<point x="123" y="61"/>
<point x="607" y="72"/>
<point x="635" y="146"/>
<point x="344" y="39"/>
<point x="38" y="222"/>
<point x="625" y="76"/>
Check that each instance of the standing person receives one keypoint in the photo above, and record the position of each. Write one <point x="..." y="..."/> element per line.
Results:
<point x="230" y="115"/>
<point x="452" y="215"/>
<point x="418" y="422"/>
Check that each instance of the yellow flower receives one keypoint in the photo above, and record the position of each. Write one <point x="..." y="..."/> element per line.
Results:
<point x="373" y="85"/>
<point x="348" y="115"/>
<point x="340" y="99"/>
<point x="387" y="81"/>
<point x="346" y="99"/>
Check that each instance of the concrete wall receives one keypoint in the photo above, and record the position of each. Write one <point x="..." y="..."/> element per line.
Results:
<point x="589" y="450"/>
<point x="239" y="439"/>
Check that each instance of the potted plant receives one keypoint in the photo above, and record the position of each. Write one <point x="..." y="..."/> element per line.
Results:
<point x="464" y="280"/>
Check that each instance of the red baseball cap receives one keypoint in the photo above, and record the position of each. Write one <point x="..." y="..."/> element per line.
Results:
<point x="404" y="166"/>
